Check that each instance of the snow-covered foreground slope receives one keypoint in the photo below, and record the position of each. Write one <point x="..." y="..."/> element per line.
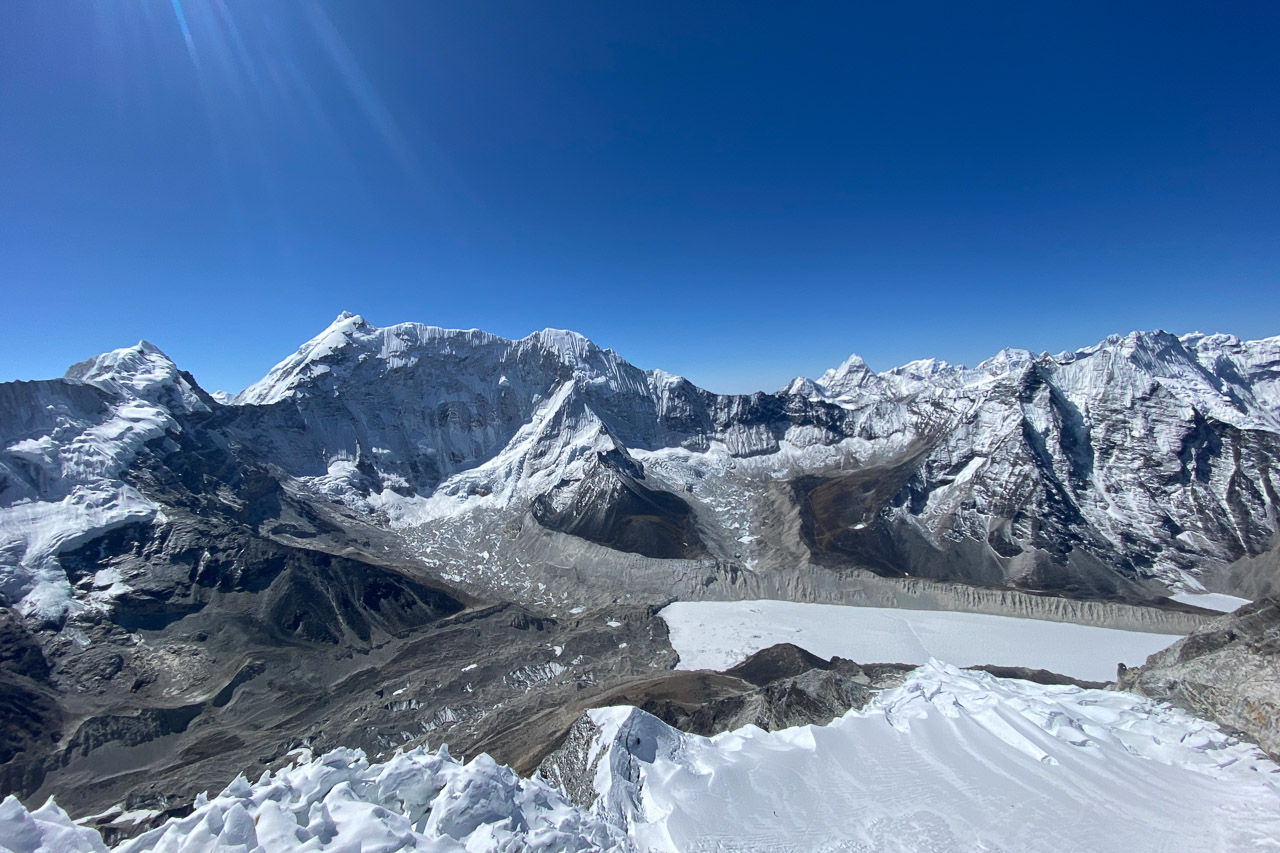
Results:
<point x="950" y="761"/>
<point x="720" y="634"/>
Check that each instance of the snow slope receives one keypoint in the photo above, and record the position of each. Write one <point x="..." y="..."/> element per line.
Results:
<point x="63" y="452"/>
<point x="720" y="634"/>
<point x="950" y="761"/>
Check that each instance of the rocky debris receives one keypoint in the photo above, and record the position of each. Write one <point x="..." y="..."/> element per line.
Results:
<point x="1038" y="676"/>
<point x="776" y="688"/>
<point x="1227" y="671"/>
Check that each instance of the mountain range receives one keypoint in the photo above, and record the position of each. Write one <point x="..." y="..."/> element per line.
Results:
<point x="399" y="533"/>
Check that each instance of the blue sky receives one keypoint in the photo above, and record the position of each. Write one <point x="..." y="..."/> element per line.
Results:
<point x="737" y="192"/>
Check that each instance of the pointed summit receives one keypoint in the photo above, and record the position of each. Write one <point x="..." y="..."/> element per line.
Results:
<point x="339" y="335"/>
<point x="849" y="379"/>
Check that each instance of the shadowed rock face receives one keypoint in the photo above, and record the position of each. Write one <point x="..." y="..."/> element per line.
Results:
<point x="179" y="568"/>
<point x="30" y="717"/>
<point x="611" y="507"/>
<point x="1227" y="671"/>
<point x="778" y="687"/>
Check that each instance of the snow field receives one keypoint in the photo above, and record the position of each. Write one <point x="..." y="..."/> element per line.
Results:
<point x="1211" y="600"/>
<point x="720" y="634"/>
<point x="957" y="761"/>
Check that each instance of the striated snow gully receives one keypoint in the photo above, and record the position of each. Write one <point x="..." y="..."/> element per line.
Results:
<point x="412" y="532"/>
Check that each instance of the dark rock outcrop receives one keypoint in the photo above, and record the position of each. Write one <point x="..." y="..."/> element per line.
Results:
<point x="1227" y="671"/>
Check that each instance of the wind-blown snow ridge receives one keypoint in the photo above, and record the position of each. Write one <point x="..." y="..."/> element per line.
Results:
<point x="950" y="761"/>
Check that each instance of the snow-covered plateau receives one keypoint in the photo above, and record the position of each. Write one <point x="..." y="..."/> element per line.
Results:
<point x="950" y="761"/>
<point x="721" y="634"/>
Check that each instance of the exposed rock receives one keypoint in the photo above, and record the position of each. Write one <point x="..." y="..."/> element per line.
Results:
<point x="1227" y="671"/>
<point x="775" y="688"/>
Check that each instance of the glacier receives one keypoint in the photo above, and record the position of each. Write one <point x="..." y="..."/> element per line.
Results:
<point x="66" y="447"/>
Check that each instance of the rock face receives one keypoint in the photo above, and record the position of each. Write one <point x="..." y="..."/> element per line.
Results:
<point x="324" y="557"/>
<point x="1227" y="671"/>
<point x="775" y="688"/>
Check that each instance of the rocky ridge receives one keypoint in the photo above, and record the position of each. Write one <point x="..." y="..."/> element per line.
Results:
<point x="1227" y="671"/>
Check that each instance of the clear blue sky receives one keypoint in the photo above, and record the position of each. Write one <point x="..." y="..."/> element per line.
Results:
<point x="737" y="192"/>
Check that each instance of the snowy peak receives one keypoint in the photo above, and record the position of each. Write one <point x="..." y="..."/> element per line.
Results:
<point x="1008" y="360"/>
<point x="849" y="379"/>
<point x="300" y="366"/>
<point x="923" y="369"/>
<point x="140" y="372"/>
<point x="335" y="354"/>
<point x="570" y="347"/>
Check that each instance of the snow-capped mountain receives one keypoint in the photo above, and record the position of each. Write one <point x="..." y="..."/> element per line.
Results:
<point x="67" y="447"/>
<point x="1116" y="472"/>
<point x="1148" y="457"/>
<point x="399" y="532"/>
